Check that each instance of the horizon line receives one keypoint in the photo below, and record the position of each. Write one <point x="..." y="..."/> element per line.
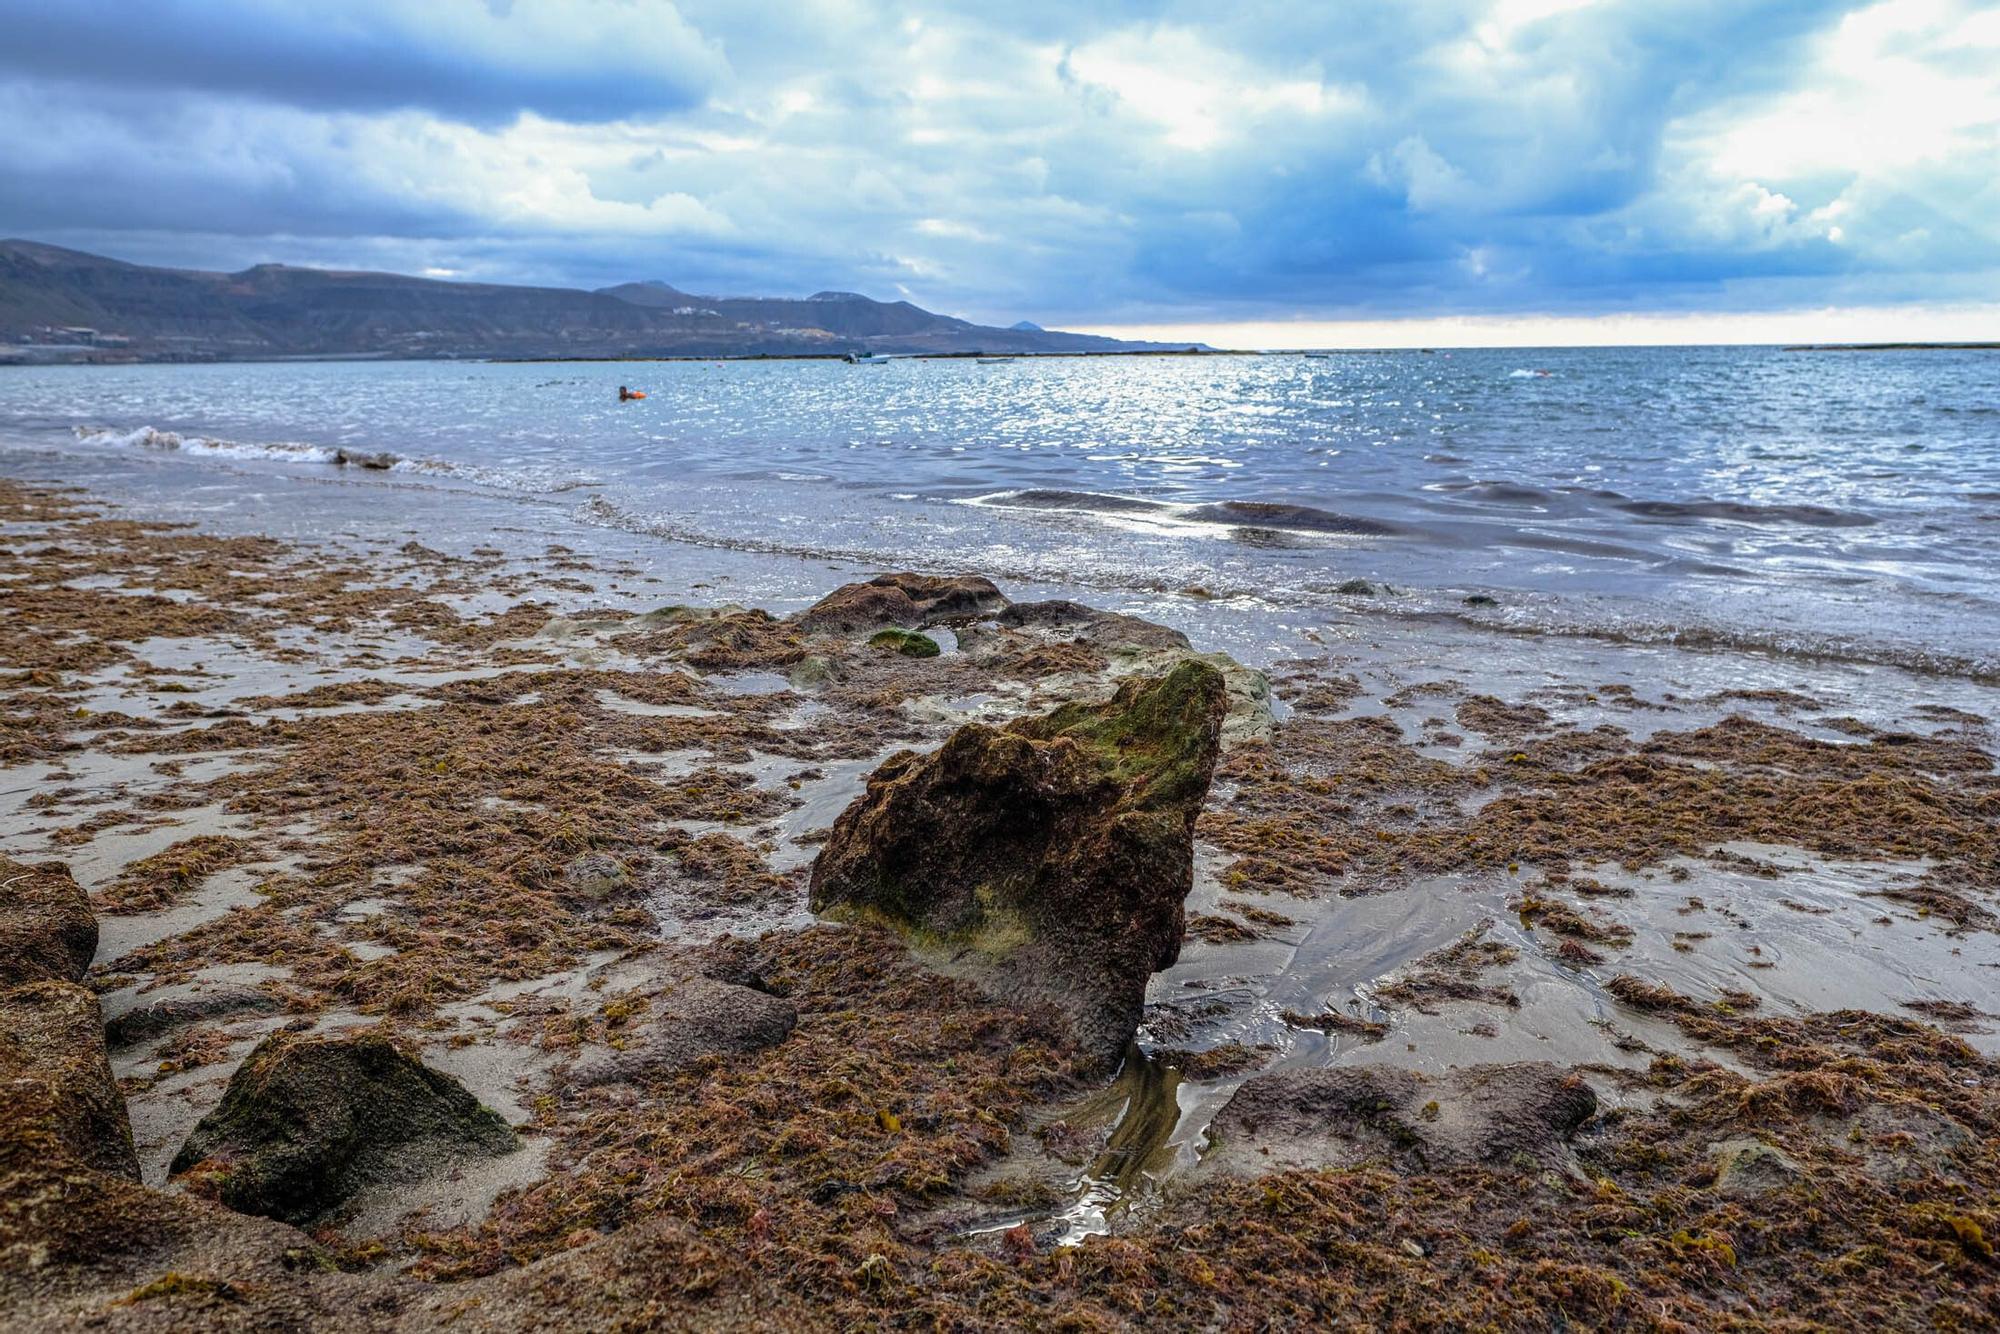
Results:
<point x="1819" y="326"/>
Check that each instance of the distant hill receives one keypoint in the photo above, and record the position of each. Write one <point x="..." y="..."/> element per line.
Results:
<point x="58" y="304"/>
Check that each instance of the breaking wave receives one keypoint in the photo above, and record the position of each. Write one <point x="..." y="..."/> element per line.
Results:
<point x="534" y="480"/>
<point x="1235" y="514"/>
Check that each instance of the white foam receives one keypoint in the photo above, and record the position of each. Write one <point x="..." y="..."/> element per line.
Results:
<point x="147" y="437"/>
<point x="538" y="481"/>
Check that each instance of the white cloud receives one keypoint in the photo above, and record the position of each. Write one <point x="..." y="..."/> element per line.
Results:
<point x="1199" y="97"/>
<point x="1059" y="162"/>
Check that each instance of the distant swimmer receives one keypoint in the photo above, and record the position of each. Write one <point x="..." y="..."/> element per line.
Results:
<point x="626" y="395"/>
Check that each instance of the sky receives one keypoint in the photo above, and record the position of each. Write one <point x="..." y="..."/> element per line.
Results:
<point x="1253" y="173"/>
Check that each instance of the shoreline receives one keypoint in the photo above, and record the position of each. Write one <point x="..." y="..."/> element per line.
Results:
<point x="347" y="783"/>
<point x="1551" y="616"/>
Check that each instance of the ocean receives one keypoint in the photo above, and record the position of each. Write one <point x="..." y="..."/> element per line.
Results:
<point x="1840" y="506"/>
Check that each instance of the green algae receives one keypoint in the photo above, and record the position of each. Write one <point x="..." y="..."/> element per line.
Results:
<point x="909" y="643"/>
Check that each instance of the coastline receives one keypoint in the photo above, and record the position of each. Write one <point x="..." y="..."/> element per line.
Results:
<point x="344" y="782"/>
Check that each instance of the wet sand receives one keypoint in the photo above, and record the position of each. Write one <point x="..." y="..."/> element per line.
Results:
<point x="351" y="782"/>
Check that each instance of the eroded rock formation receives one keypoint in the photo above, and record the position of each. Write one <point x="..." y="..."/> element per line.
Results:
<point x="307" y="1122"/>
<point x="1518" y="1115"/>
<point x="47" y="931"/>
<point x="694" y="1018"/>
<point x="904" y="599"/>
<point x="1051" y="858"/>
<point x="55" y="1077"/>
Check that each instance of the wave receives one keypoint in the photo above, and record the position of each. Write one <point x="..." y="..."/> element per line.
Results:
<point x="1983" y="670"/>
<point x="1531" y="617"/>
<point x="534" y="480"/>
<point x="1236" y="514"/>
<point x="147" y="437"/>
<point x="1817" y="516"/>
<point x="1086" y="501"/>
<point x="1500" y="493"/>
<point x="1299" y="518"/>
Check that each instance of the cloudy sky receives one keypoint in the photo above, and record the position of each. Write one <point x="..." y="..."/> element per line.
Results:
<point x="1623" y="164"/>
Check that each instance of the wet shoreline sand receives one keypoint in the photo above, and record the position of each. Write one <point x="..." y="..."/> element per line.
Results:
<point x="499" y="804"/>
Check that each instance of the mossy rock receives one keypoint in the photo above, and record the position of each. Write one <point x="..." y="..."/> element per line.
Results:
<point x="47" y="931"/>
<point x="902" y="599"/>
<point x="814" y="670"/>
<point x="57" y="1080"/>
<point x="308" y="1122"/>
<point x="906" y="642"/>
<point x="1051" y="858"/>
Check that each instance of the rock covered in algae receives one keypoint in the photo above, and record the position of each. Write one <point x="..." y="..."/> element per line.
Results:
<point x="47" y="931"/>
<point x="1746" y="1166"/>
<point x="1518" y="1115"/>
<point x="903" y="599"/>
<point x="1087" y="625"/>
<point x="696" y="1018"/>
<point x="906" y="642"/>
<point x="56" y="1085"/>
<point x="1051" y="858"/>
<point x="307" y="1122"/>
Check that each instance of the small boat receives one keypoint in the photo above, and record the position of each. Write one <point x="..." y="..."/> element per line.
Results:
<point x="1317" y="356"/>
<point x="866" y="359"/>
<point x="994" y="361"/>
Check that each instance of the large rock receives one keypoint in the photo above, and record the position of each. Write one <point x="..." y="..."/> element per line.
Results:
<point x="1087" y="625"/>
<point x="47" y="931"/>
<point x="1509" y="1116"/>
<point x="902" y="600"/>
<point x="696" y="1018"/>
<point x="56" y="1085"/>
<point x="307" y="1122"/>
<point x="1050" y="859"/>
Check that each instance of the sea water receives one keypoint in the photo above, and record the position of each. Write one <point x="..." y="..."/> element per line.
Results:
<point x="1838" y="505"/>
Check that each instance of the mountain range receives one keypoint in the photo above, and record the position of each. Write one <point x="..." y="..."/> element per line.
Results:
<point x="67" y="305"/>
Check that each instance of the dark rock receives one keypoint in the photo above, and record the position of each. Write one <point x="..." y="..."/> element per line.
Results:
<point x="146" y="1022"/>
<point x="47" y="931"/>
<point x="902" y="599"/>
<point x="906" y="642"/>
<point x="738" y="963"/>
<point x="83" y="1249"/>
<point x="56" y="1086"/>
<point x="358" y="458"/>
<point x="1051" y="859"/>
<point x="1751" y="1167"/>
<point x="1509" y="1116"/>
<point x="815" y="670"/>
<point x="1088" y="625"/>
<point x="1480" y="600"/>
<point x="1359" y="588"/>
<point x="596" y="875"/>
<point x="307" y="1122"/>
<point x="698" y="1017"/>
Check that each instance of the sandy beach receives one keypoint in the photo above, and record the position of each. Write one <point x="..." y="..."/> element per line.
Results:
<point x="1612" y="980"/>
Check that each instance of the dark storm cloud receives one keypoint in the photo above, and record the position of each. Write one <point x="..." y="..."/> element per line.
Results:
<point x="1067" y="162"/>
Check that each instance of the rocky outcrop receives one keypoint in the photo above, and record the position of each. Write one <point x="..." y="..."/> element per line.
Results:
<point x="1087" y="625"/>
<point x="908" y="600"/>
<point x="1051" y="859"/>
<point x="154" y="1018"/>
<point x="309" y="1121"/>
<point x="1516" y="1116"/>
<point x="696" y="1018"/>
<point x="56" y="1086"/>
<point x="47" y="931"/>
